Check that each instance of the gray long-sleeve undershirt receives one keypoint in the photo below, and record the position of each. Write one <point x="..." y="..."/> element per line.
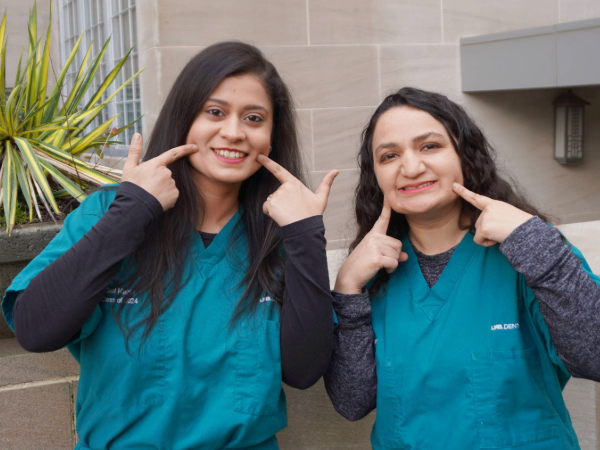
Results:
<point x="569" y="301"/>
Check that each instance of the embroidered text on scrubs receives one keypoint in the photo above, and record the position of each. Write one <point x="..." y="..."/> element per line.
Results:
<point x="506" y="326"/>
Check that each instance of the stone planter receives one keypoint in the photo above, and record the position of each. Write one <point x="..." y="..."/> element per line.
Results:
<point x="17" y="250"/>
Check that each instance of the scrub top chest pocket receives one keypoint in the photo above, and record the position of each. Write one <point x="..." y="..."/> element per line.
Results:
<point x="511" y="403"/>
<point x="257" y="367"/>
<point x="116" y="375"/>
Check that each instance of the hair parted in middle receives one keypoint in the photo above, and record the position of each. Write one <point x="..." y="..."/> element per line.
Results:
<point x="158" y="265"/>
<point x="477" y="158"/>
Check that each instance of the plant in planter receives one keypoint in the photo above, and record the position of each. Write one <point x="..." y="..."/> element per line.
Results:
<point x="42" y="137"/>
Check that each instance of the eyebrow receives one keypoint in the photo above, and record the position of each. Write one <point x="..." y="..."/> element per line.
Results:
<point x="417" y="139"/>
<point x="246" y="108"/>
<point x="427" y="135"/>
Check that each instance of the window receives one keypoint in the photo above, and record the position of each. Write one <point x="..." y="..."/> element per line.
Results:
<point x="98" y="20"/>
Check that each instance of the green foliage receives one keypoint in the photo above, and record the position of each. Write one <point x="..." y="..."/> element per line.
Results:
<point x="21" y="216"/>
<point x="42" y="137"/>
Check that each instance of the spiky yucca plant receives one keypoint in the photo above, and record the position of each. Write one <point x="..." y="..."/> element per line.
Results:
<point x="43" y="137"/>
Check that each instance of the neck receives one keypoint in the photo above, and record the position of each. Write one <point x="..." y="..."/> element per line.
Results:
<point x="220" y="203"/>
<point x="436" y="234"/>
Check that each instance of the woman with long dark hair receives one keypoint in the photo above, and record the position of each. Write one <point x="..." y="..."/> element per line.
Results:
<point x="462" y="313"/>
<point x="193" y="289"/>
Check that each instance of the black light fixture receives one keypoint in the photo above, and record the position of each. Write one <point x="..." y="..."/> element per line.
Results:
<point x="568" y="128"/>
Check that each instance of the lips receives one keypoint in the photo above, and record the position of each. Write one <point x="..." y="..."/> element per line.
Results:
<point x="417" y="187"/>
<point x="230" y="156"/>
<point x="230" y="153"/>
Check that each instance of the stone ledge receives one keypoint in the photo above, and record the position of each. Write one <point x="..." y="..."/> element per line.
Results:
<point x="18" y="366"/>
<point x="26" y="241"/>
<point x="37" y="417"/>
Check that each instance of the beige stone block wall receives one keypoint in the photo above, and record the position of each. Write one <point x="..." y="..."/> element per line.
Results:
<point x="341" y="58"/>
<point x="17" y="13"/>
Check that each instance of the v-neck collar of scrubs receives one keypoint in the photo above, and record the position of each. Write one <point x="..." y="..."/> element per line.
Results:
<point x="206" y="258"/>
<point x="432" y="300"/>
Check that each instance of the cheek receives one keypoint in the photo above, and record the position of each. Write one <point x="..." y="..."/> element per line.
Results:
<point x="261" y="139"/>
<point x="386" y="177"/>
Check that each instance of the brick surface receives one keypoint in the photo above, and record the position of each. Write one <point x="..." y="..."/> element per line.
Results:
<point x="18" y="366"/>
<point x="37" y="417"/>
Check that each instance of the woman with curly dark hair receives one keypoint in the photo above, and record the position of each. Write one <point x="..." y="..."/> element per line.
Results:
<point x="462" y="313"/>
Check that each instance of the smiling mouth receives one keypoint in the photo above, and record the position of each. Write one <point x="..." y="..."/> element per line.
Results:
<point x="230" y="154"/>
<point x="420" y="186"/>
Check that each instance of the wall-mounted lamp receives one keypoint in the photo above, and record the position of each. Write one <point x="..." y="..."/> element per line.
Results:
<point x="568" y="128"/>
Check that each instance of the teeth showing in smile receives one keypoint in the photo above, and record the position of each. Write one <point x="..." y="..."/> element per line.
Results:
<point x="418" y="187"/>
<point x="230" y="154"/>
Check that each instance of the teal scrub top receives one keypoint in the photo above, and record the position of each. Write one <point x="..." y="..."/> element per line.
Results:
<point x="469" y="363"/>
<point x="197" y="382"/>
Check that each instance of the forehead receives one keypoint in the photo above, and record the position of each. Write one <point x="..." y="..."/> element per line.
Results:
<point x="403" y="123"/>
<point x="242" y="89"/>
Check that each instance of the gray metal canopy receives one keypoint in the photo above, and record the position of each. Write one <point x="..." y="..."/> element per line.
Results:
<point x="561" y="55"/>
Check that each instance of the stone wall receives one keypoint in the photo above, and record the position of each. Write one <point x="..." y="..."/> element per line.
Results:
<point x="341" y="58"/>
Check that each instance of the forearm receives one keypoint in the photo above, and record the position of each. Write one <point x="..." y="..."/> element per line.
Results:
<point x="351" y="379"/>
<point x="58" y="301"/>
<point x="569" y="298"/>
<point x="307" y="313"/>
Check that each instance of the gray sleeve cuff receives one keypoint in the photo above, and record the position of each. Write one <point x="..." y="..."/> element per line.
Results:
<point x="352" y="310"/>
<point x="534" y="248"/>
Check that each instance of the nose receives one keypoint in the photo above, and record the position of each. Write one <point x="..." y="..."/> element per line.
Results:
<point x="232" y="130"/>
<point x="412" y="164"/>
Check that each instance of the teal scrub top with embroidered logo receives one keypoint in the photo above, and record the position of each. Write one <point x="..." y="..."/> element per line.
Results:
<point x="469" y="363"/>
<point x="197" y="382"/>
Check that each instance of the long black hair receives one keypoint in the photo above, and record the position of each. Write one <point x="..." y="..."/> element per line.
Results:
<point x="158" y="265"/>
<point x="477" y="157"/>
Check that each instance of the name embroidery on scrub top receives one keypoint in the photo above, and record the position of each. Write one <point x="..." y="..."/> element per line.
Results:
<point x="118" y="295"/>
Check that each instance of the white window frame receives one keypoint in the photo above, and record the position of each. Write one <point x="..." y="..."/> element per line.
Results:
<point x="105" y="27"/>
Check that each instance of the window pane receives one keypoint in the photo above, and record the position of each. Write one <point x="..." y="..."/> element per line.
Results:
<point x="116" y="32"/>
<point x="126" y="32"/>
<point x="130" y="115"/>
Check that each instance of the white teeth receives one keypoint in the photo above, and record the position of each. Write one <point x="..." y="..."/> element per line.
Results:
<point x="230" y="154"/>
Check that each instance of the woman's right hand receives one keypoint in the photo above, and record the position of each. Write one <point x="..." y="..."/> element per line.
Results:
<point x="376" y="251"/>
<point x="153" y="176"/>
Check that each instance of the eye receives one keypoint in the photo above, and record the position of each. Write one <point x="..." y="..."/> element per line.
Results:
<point x="254" y="118"/>
<point x="388" y="156"/>
<point x="430" y="146"/>
<point x="215" y="112"/>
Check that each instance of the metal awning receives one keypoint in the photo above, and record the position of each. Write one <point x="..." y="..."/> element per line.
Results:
<point x="561" y="55"/>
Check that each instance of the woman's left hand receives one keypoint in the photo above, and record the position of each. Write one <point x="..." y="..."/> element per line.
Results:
<point x="497" y="219"/>
<point x="293" y="201"/>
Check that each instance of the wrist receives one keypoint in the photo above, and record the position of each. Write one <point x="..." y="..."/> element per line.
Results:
<point x="344" y="286"/>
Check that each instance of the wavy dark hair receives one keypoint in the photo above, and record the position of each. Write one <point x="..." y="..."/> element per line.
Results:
<point x="477" y="157"/>
<point x="158" y="266"/>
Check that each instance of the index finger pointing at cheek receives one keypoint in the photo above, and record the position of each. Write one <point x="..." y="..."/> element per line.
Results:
<point x="478" y="201"/>
<point x="174" y="154"/>
<point x="280" y="173"/>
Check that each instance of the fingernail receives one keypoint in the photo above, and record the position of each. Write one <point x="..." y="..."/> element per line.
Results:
<point x="194" y="147"/>
<point x="455" y="185"/>
<point x="260" y="157"/>
<point x="136" y="137"/>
